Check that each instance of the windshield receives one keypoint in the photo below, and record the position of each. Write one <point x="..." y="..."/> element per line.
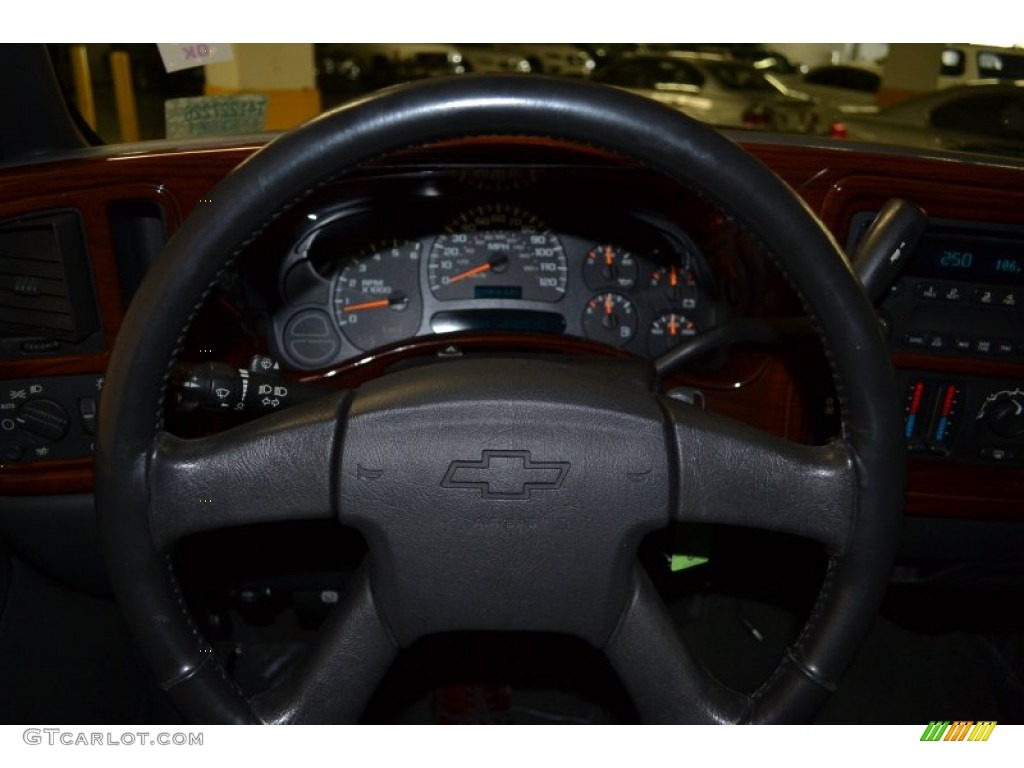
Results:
<point x="918" y="95"/>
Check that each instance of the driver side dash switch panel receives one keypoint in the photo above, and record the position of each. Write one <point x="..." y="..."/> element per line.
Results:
<point x="44" y="419"/>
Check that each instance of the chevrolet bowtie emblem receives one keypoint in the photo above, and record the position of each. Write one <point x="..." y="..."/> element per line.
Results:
<point x="506" y="475"/>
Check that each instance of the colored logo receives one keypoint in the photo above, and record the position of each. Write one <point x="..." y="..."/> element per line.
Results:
<point x="960" y="730"/>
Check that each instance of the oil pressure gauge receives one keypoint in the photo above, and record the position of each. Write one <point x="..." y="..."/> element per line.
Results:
<point x="611" y="266"/>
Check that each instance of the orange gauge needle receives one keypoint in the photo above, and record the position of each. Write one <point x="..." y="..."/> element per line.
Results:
<point x="673" y="328"/>
<point x="608" y="255"/>
<point x="367" y="305"/>
<point x="673" y="279"/>
<point x="608" y="309"/>
<point x="469" y="273"/>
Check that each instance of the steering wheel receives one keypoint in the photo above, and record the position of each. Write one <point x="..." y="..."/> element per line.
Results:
<point x="426" y="461"/>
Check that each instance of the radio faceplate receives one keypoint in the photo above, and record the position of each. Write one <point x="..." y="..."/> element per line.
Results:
<point x="945" y="317"/>
<point x="962" y="293"/>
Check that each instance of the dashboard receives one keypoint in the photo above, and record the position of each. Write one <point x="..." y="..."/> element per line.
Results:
<point x="421" y="256"/>
<point x="527" y="246"/>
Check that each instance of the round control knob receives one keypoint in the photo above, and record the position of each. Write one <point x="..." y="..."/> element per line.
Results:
<point x="1005" y="415"/>
<point x="45" y="419"/>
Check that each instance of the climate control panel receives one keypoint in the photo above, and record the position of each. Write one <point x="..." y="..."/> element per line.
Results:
<point x="44" y="419"/>
<point x="965" y="418"/>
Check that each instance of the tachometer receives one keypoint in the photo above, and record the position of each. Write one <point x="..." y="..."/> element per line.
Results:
<point x="377" y="295"/>
<point x="497" y="252"/>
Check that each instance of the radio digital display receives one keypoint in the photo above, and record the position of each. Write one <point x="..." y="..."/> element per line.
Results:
<point x="967" y="258"/>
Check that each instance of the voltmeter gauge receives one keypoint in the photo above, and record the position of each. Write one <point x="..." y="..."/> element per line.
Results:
<point x="677" y="286"/>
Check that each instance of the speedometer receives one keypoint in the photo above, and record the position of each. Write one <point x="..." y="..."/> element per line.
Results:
<point x="497" y="252"/>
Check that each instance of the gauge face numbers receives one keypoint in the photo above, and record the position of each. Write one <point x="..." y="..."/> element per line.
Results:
<point x="676" y="286"/>
<point x="497" y="252"/>
<point x="669" y="331"/>
<point x="610" y="318"/>
<point x="608" y="266"/>
<point x="377" y="296"/>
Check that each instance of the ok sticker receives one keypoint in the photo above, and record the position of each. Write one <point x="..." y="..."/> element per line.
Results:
<point x="178" y="56"/>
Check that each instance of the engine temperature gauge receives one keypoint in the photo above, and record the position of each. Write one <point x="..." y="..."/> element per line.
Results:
<point x="610" y="318"/>
<point x="668" y="332"/>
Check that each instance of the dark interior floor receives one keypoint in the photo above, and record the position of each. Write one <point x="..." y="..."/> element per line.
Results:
<point x="939" y="650"/>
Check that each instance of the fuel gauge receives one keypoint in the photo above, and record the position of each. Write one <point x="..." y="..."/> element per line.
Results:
<point x="610" y="318"/>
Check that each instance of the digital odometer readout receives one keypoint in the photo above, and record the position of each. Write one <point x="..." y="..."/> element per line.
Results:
<point x="970" y="259"/>
<point x="514" y="292"/>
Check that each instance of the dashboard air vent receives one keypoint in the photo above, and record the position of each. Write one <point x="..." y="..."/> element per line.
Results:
<point x="45" y="281"/>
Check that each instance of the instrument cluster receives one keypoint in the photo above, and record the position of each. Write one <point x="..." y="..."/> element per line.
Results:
<point x="353" y="282"/>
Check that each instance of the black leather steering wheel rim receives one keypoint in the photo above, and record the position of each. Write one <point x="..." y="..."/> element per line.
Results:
<point x="291" y="167"/>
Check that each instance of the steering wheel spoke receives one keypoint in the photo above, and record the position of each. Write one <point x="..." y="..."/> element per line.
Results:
<point x="339" y="675"/>
<point x="733" y="474"/>
<point x="272" y="469"/>
<point x="666" y="683"/>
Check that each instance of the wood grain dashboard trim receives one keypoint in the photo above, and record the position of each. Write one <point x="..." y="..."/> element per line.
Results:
<point x="835" y="183"/>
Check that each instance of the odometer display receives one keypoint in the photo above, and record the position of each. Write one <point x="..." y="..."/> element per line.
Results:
<point x="498" y="252"/>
